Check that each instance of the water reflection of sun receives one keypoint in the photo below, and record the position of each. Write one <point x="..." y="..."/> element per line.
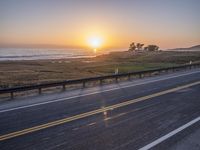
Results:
<point x="95" y="42"/>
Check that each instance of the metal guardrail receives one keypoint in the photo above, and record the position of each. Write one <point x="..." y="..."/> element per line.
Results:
<point x="140" y="74"/>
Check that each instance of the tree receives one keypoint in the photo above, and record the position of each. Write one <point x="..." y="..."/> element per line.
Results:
<point x="132" y="47"/>
<point x="152" y="48"/>
<point x="139" y="46"/>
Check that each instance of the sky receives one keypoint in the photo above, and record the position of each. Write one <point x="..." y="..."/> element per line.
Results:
<point x="71" y="23"/>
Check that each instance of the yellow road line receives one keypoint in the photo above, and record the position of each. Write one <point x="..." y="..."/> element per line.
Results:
<point x="90" y="113"/>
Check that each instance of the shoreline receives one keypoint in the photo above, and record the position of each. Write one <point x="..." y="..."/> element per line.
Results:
<point x="40" y="59"/>
<point x="28" y="72"/>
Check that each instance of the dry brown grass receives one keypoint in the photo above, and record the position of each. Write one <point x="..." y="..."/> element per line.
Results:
<point x="18" y="73"/>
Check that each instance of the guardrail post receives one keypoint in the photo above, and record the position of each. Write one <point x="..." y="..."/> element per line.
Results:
<point x="11" y="95"/>
<point x="116" y="79"/>
<point x="64" y="87"/>
<point x="149" y="74"/>
<point x="101" y="81"/>
<point x="40" y="90"/>
<point x="140" y="75"/>
<point x="129" y="77"/>
<point x="83" y="84"/>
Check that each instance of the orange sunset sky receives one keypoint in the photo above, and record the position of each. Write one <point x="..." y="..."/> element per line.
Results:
<point x="115" y="23"/>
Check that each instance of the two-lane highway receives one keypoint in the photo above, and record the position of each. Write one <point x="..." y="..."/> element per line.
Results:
<point x="127" y="117"/>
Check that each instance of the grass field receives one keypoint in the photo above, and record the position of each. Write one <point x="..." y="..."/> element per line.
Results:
<point x="18" y="73"/>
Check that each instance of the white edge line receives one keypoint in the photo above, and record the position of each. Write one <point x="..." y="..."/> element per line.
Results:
<point x="172" y="133"/>
<point x="63" y="99"/>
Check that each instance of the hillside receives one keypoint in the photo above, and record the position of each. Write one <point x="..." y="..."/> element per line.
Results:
<point x="193" y="48"/>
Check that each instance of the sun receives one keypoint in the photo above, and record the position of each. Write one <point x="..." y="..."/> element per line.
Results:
<point x="95" y="42"/>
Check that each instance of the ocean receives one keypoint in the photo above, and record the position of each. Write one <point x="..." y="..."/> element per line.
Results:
<point x="42" y="53"/>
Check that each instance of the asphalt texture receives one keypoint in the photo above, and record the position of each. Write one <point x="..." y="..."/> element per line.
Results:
<point x="125" y="128"/>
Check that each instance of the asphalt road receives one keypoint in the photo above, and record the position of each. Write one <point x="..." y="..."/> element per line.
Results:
<point x="123" y="116"/>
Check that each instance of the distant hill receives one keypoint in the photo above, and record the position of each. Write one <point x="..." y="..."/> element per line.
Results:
<point x="193" y="48"/>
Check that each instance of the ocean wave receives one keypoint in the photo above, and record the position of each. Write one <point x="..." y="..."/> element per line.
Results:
<point x="24" y="54"/>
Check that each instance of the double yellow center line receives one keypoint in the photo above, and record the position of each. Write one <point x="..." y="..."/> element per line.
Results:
<point x="90" y="113"/>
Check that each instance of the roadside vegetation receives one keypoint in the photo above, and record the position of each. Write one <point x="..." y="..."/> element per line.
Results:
<point x="19" y="73"/>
